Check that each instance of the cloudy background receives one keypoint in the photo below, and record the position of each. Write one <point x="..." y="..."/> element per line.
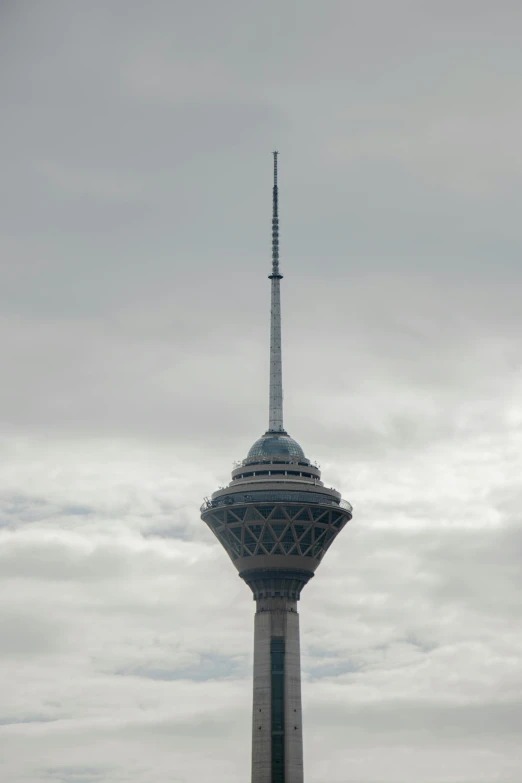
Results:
<point x="135" y="214"/>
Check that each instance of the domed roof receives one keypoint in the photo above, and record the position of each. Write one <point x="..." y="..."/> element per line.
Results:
<point x="275" y="444"/>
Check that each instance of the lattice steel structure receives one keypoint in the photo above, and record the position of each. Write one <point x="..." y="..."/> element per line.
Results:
<point x="276" y="520"/>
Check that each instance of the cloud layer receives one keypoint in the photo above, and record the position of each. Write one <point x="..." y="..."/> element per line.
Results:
<point x="135" y="213"/>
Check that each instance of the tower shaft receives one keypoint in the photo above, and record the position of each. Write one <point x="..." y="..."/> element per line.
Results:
<point x="277" y="737"/>
<point x="275" y="422"/>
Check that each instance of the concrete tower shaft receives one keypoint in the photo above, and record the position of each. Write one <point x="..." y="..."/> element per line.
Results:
<point x="276" y="520"/>
<point x="277" y="737"/>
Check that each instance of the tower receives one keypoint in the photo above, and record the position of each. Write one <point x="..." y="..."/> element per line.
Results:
<point x="276" y="519"/>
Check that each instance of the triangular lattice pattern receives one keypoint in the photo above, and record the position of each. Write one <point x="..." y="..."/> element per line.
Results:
<point x="276" y="529"/>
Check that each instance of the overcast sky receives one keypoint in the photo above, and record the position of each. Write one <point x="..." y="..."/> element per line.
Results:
<point x="135" y="245"/>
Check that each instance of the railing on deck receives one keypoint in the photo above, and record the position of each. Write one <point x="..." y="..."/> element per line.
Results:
<point x="276" y="496"/>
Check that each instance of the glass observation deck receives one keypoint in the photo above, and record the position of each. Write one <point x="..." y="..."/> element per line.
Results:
<point x="269" y="528"/>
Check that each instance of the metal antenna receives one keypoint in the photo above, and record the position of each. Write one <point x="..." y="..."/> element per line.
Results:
<point x="276" y="372"/>
<point x="275" y="221"/>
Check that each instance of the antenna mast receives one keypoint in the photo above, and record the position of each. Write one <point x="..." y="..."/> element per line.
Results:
<point x="276" y="372"/>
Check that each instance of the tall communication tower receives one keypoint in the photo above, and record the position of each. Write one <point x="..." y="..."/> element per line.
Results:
<point x="276" y="520"/>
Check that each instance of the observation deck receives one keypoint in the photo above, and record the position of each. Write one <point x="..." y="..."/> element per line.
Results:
<point x="276" y="519"/>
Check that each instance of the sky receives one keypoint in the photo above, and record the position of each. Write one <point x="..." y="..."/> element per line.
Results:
<point x="135" y="242"/>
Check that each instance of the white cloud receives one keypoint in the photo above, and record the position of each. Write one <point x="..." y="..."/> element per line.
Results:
<point x="135" y="219"/>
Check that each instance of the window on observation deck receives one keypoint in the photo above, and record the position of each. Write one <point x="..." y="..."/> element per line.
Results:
<point x="250" y="541"/>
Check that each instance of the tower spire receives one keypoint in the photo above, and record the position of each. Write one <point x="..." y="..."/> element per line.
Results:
<point x="275" y="422"/>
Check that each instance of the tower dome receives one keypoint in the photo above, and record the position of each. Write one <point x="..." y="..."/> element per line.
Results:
<point x="275" y="444"/>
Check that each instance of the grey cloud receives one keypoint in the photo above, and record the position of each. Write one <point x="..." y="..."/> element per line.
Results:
<point x="205" y="667"/>
<point x="24" y="633"/>
<point x="9" y="721"/>
<point x="135" y="215"/>
<point x="408" y="719"/>
<point x="76" y="774"/>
